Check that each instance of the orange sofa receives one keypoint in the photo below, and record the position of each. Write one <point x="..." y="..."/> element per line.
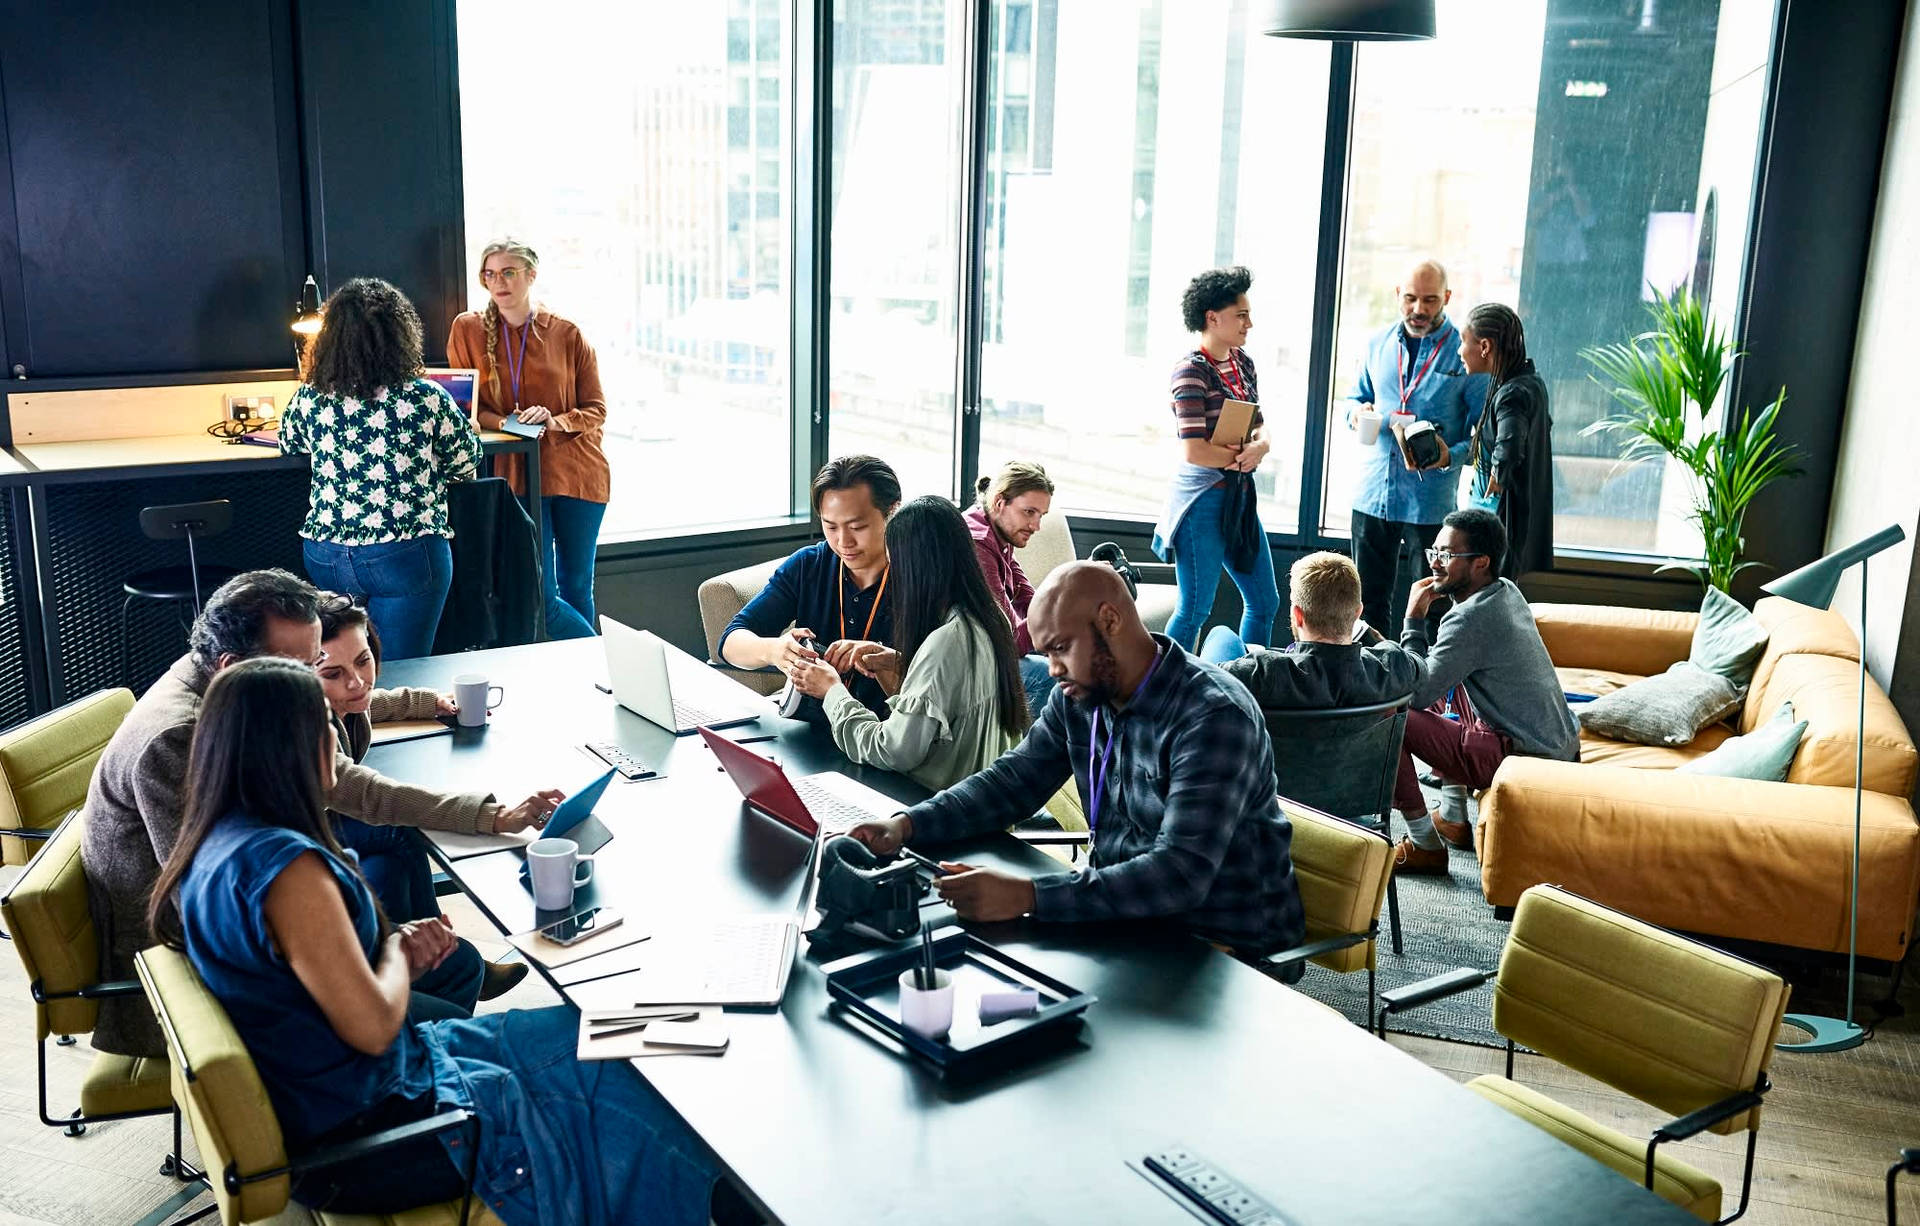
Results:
<point x="1720" y="857"/>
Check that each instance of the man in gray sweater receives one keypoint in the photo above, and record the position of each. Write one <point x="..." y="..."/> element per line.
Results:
<point x="138" y="791"/>
<point x="1488" y="689"/>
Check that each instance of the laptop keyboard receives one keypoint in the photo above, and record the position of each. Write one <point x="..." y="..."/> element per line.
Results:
<point x="835" y="813"/>
<point x="747" y="960"/>
<point x="692" y="715"/>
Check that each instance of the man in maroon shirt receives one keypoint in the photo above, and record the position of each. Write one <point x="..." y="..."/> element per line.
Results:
<point x="1010" y="506"/>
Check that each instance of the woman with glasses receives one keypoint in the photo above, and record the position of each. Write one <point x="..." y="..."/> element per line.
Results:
<point x="385" y="445"/>
<point x="1212" y="516"/>
<point x="536" y="368"/>
<point x="1511" y="448"/>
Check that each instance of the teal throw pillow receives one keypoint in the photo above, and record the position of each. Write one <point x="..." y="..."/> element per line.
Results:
<point x="1728" y="640"/>
<point x="1765" y="753"/>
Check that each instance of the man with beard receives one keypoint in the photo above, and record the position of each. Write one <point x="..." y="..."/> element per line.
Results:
<point x="1008" y="512"/>
<point x="1174" y="762"/>
<point x="1413" y="372"/>
<point x="1488" y="689"/>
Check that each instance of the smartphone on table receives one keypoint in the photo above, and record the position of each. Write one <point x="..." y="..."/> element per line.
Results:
<point x="580" y="927"/>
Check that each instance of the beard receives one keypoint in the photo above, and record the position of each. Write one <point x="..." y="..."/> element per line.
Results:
<point x="1104" y="685"/>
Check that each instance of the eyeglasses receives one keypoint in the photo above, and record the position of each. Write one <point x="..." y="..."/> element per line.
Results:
<point x="505" y="276"/>
<point x="1445" y="557"/>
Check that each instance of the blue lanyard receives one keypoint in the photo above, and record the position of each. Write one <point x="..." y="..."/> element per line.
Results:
<point x="1099" y="760"/>
<point x="514" y="364"/>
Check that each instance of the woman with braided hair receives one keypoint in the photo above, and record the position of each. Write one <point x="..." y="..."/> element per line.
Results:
<point x="537" y="368"/>
<point x="1512" y="446"/>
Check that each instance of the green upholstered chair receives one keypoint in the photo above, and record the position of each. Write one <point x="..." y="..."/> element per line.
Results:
<point x="46" y="764"/>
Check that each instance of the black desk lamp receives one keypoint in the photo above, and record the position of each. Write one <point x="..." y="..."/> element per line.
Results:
<point x="306" y="319"/>
<point x="1814" y="585"/>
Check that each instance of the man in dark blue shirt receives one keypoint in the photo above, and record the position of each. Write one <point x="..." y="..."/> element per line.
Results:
<point x="1173" y="761"/>
<point x="834" y="592"/>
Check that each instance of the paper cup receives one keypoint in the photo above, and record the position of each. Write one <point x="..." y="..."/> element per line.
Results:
<point x="1367" y="422"/>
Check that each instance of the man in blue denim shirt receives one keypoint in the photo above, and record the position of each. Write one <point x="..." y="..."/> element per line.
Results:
<point x="1413" y="372"/>
<point x="1173" y="761"/>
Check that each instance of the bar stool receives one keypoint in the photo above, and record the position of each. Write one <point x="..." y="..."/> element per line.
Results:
<point x="184" y="587"/>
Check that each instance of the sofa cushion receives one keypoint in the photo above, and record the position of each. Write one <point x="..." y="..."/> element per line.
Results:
<point x="1728" y="640"/>
<point x="1825" y="691"/>
<point x="1668" y="709"/>
<point x="1792" y="630"/>
<point x="1597" y="749"/>
<point x="1764" y="753"/>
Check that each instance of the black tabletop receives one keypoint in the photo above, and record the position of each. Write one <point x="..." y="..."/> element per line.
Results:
<point x="821" y="1123"/>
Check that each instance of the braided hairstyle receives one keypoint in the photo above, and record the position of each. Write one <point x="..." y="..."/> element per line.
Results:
<point x="519" y="251"/>
<point x="1500" y="325"/>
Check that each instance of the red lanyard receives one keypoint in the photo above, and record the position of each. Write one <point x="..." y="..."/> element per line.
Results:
<point x="1236" y="385"/>
<point x="514" y="366"/>
<point x="1400" y="365"/>
<point x="840" y="594"/>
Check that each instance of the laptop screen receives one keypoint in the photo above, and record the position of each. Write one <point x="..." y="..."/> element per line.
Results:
<point x="459" y="384"/>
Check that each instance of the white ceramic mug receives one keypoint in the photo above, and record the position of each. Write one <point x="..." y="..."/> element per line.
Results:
<point x="1367" y="422"/>
<point x="555" y="867"/>
<point x="475" y="696"/>
<point x="928" y="1012"/>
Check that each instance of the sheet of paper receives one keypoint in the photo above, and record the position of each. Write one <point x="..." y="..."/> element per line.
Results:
<point x="460" y="846"/>
<point x="408" y="730"/>
<point x="551" y="955"/>
<point x="704" y="1035"/>
<point x="608" y="962"/>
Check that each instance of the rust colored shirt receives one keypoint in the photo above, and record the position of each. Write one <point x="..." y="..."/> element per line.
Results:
<point x="561" y="374"/>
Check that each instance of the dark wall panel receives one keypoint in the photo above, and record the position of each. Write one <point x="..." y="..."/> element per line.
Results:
<point x="154" y="182"/>
<point x="381" y="131"/>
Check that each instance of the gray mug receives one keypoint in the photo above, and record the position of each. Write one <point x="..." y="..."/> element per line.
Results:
<point x="475" y="696"/>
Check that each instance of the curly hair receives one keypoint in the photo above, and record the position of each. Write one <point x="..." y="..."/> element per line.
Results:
<point x="1213" y="290"/>
<point x="369" y="339"/>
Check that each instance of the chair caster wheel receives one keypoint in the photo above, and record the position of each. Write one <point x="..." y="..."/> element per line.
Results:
<point x="168" y="1167"/>
<point x="76" y="1128"/>
<point x="65" y="1040"/>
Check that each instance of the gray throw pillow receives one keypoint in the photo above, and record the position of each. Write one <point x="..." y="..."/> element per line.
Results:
<point x="1728" y="640"/>
<point x="1765" y="753"/>
<point x="1668" y="709"/>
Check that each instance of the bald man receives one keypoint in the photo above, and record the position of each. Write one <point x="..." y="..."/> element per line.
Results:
<point x="1413" y="372"/>
<point x="1173" y="763"/>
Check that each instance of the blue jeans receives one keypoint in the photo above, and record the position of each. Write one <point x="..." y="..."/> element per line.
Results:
<point x="569" y="534"/>
<point x="561" y="1140"/>
<point x="1220" y="646"/>
<point x="403" y="584"/>
<point x="1038" y="683"/>
<point x="1199" y="554"/>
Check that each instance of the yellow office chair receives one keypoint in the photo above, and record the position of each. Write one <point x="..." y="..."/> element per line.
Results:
<point x="216" y="1084"/>
<point x="1342" y="869"/>
<point x="1677" y="1024"/>
<point x="46" y="913"/>
<point x="46" y="764"/>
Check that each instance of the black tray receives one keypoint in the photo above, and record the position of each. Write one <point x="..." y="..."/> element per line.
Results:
<point x="868" y="986"/>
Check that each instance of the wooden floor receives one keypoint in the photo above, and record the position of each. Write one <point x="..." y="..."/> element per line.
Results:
<point x="1832" y="1125"/>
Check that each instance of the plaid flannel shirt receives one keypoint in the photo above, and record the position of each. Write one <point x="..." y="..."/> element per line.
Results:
<point x="1189" y="825"/>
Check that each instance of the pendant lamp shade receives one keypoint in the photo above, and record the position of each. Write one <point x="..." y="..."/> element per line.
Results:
<point x="1359" y="21"/>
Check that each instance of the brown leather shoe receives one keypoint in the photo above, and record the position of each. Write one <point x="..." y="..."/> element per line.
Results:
<point x="499" y="978"/>
<point x="1460" y="834"/>
<point x="1411" y="858"/>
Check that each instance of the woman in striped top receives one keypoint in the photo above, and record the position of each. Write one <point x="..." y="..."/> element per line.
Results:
<point x="1212" y="515"/>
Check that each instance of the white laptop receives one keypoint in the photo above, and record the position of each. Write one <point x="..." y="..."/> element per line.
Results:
<point x="659" y="682"/>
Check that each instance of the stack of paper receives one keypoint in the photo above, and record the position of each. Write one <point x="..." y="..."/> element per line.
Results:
<point x="552" y="954"/>
<point x="655" y="1030"/>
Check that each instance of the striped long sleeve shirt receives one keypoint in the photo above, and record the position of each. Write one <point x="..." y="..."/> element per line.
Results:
<point x="1188" y="827"/>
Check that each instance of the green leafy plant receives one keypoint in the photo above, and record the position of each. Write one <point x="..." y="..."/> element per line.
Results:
<point x="1666" y="381"/>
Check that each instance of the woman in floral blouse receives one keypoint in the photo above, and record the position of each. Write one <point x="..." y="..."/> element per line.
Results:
<point x="385" y="444"/>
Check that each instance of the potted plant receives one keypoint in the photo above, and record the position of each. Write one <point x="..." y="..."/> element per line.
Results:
<point x="1666" y="381"/>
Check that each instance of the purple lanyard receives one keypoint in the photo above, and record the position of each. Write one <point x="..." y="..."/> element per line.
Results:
<point x="1098" y="762"/>
<point x="514" y="364"/>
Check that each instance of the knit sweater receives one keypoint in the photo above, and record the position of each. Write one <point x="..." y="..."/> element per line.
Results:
<point x="134" y="807"/>
<point x="1489" y="644"/>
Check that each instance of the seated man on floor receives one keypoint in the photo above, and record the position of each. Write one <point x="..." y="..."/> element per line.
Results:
<point x="138" y="795"/>
<point x="1488" y="668"/>
<point x="833" y="593"/>
<point x="1176" y="768"/>
<point x="1325" y="666"/>
<point x="1011" y="505"/>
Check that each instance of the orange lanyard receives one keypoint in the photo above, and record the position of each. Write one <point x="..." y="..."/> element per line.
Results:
<point x="840" y="594"/>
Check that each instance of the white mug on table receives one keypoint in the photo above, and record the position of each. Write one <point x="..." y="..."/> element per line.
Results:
<point x="555" y="868"/>
<point x="474" y="695"/>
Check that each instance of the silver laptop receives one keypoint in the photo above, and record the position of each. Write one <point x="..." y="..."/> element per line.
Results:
<point x="659" y="682"/>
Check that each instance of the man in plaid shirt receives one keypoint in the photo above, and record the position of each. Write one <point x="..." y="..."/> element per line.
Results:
<point x="1172" y="761"/>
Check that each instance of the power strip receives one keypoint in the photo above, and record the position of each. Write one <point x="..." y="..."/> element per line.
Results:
<point x="1209" y="1193"/>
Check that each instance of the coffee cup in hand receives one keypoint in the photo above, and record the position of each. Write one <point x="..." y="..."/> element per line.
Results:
<point x="474" y="695"/>
<point x="1367" y="422"/>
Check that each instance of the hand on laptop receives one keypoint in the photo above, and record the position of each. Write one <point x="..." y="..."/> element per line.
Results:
<point x="813" y="678"/>
<point x="533" y="811"/>
<point x="984" y="894"/>
<point x="886" y="836"/>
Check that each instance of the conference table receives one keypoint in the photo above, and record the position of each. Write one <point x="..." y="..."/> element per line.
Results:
<point x="820" y="1122"/>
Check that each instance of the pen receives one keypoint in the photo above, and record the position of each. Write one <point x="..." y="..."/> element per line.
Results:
<point x="931" y="865"/>
<point x="926" y="976"/>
